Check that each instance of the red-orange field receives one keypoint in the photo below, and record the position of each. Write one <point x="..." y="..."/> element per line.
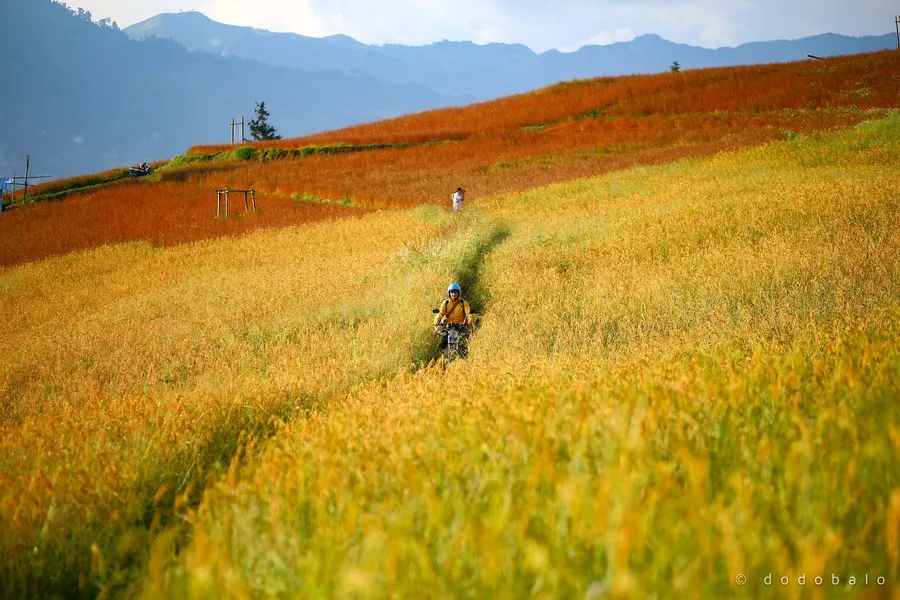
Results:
<point x="511" y="161"/>
<point x="574" y="129"/>
<point x="161" y="213"/>
<point x="862" y="81"/>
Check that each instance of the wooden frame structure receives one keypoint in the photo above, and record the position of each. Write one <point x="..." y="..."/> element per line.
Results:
<point x="249" y="199"/>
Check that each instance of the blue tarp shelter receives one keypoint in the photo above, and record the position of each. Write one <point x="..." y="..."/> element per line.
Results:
<point x="5" y="184"/>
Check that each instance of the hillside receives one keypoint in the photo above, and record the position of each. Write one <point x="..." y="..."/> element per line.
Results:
<point x="89" y="98"/>
<point x="482" y="72"/>
<point x="683" y="379"/>
<point x="570" y="130"/>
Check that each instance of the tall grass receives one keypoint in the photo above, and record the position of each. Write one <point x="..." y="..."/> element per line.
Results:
<point x="130" y="372"/>
<point x="686" y="375"/>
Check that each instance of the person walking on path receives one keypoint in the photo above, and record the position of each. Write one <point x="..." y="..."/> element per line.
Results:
<point x="457" y="197"/>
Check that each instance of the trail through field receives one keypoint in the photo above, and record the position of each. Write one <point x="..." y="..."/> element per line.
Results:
<point x="684" y="373"/>
<point x="468" y="275"/>
<point x="176" y="379"/>
<point x="686" y="380"/>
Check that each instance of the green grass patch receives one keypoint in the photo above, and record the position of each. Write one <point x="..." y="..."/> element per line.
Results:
<point x="243" y="153"/>
<point x="322" y="200"/>
<point x="88" y="183"/>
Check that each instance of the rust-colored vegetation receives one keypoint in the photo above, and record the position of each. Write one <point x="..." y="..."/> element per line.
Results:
<point x="511" y="161"/>
<point x="161" y="213"/>
<point x="860" y="81"/>
<point x="574" y="129"/>
<point x="571" y="130"/>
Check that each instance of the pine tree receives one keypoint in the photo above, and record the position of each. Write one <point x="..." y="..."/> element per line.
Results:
<point x="259" y="127"/>
<point x="676" y="66"/>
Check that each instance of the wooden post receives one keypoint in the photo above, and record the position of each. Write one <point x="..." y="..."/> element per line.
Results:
<point x="243" y="138"/>
<point x="226" y="204"/>
<point x="27" y="164"/>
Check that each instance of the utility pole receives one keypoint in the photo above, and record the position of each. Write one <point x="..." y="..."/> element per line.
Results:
<point x="27" y="164"/>
<point x="235" y="123"/>
<point x="897" y="27"/>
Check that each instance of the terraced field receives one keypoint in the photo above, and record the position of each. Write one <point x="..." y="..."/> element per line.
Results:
<point x="684" y="379"/>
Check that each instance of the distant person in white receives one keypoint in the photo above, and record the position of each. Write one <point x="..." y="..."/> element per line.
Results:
<point x="458" y="196"/>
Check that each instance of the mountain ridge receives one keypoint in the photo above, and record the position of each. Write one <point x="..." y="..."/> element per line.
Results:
<point x="484" y="71"/>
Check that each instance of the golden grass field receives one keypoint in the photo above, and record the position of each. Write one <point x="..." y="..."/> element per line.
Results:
<point x="129" y="367"/>
<point x="684" y="374"/>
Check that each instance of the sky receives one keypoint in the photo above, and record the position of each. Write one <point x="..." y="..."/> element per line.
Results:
<point x="539" y="24"/>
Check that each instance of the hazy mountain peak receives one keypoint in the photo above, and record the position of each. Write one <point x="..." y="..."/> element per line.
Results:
<point x="339" y="39"/>
<point x="192" y="16"/>
<point x="648" y="40"/>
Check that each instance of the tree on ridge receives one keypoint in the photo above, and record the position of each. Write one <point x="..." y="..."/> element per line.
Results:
<point x="260" y="128"/>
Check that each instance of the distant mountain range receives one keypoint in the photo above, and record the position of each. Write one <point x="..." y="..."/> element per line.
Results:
<point x="84" y="97"/>
<point x="480" y="71"/>
<point x="80" y="97"/>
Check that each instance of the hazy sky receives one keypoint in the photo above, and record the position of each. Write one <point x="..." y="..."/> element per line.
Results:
<point x="539" y="24"/>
